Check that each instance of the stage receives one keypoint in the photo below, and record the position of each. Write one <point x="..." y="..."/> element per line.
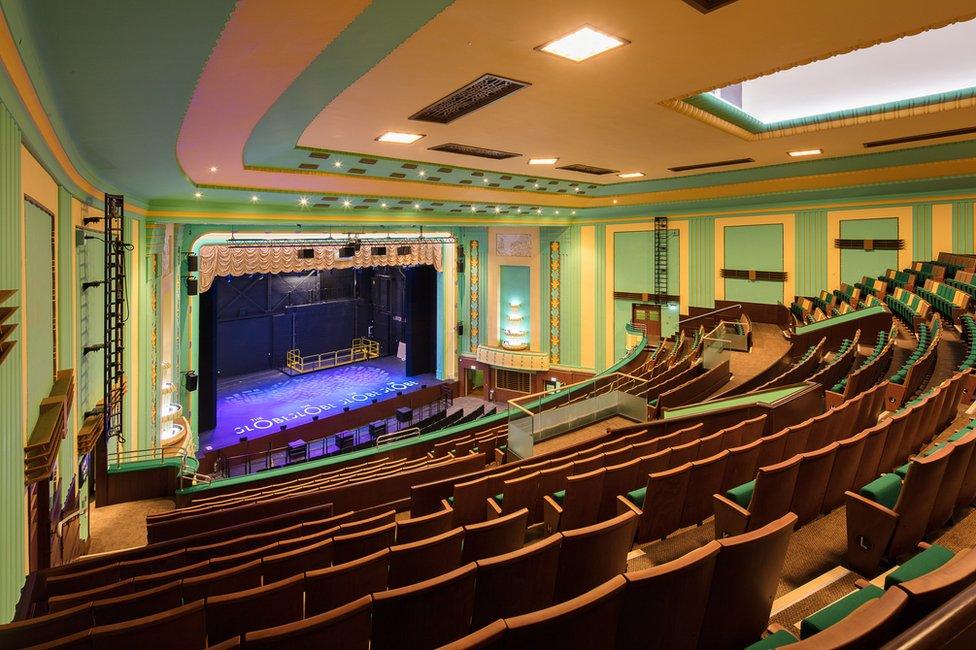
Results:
<point x="257" y="404"/>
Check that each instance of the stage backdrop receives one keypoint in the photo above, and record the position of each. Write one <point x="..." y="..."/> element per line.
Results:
<point x="248" y="323"/>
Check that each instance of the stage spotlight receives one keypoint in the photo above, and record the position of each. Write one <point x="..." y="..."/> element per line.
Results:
<point x="460" y="329"/>
<point x="192" y="262"/>
<point x="191" y="285"/>
<point x="190" y="380"/>
<point x="379" y="251"/>
<point x="404" y="250"/>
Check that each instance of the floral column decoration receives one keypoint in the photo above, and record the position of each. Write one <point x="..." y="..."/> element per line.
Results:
<point x="474" y="280"/>
<point x="554" y="301"/>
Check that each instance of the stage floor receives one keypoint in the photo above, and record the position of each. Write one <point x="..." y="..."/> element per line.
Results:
<point x="259" y="403"/>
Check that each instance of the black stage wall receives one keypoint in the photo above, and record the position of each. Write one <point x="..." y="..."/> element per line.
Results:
<point x="248" y="324"/>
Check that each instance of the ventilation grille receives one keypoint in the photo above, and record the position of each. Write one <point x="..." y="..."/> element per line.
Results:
<point x="920" y="137"/>
<point x="480" y="92"/>
<point x="471" y="150"/>
<point x="520" y="382"/>
<point x="720" y="163"/>
<point x="588" y="169"/>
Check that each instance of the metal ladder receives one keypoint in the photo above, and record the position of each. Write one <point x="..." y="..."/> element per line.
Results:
<point x="661" y="255"/>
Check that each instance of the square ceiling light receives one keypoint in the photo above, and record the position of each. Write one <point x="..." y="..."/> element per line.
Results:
<point x="630" y="175"/>
<point x="582" y="44"/>
<point x="399" y="138"/>
<point x="805" y="152"/>
<point x="543" y="161"/>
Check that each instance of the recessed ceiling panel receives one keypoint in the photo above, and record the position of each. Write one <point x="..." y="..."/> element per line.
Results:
<point x="479" y="93"/>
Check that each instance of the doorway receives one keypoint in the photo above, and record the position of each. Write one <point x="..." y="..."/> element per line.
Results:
<point x="648" y="318"/>
<point x="475" y="381"/>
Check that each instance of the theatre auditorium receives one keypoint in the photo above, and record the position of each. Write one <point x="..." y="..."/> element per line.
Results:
<point x="501" y="324"/>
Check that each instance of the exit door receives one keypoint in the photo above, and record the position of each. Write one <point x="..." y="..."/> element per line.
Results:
<point x="648" y="318"/>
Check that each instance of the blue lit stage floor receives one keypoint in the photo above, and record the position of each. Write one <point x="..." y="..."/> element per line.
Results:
<point x="258" y="404"/>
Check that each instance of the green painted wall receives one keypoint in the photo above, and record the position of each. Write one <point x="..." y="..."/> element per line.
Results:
<point x="600" y="287"/>
<point x="758" y="247"/>
<point x="701" y="266"/>
<point x="12" y="524"/>
<point x="66" y="327"/>
<point x="962" y="227"/>
<point x="632" y="272"/>
<point x="855" y="264"/>
<point x="91" y="326"/>
<point x="810" y="255"/>
<point x="922" y="232"/>
<point x="39" y="308"/>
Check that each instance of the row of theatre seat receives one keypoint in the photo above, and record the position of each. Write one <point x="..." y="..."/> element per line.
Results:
<point x="815" y="482"/>
<point x="703" y="599"/>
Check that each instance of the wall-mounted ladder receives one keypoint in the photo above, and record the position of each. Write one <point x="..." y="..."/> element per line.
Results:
<point x="661" y="255"/>
<point x="116" y="313"/>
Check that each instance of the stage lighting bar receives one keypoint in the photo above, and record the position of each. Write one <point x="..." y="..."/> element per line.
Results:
<point x="356" y="241"/>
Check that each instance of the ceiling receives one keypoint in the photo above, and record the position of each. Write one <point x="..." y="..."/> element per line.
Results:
<point x="148" y="97"/>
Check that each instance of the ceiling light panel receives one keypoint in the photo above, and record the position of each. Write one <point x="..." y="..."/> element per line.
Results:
<point x="543" y="161"/>
<point x="806" y="152"/>
<point x="399" y="138"/>
<point x="582" y="44"/>
<point x="631" y="175"/>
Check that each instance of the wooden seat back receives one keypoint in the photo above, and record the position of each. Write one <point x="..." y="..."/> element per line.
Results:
<point x="516" y="583"/>
<point x="326" y="589"/>
<point x="594" y="554"/>
<point x="490" y="538"/>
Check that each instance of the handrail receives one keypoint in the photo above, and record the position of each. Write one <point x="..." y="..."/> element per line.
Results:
<point x="709" y="314"/>
<point x="362" y="349"/>
<point x="569" y="387"/>
<point x="393" y="436"/>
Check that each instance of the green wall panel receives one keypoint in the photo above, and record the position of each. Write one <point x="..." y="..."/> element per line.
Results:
<point x="90" y="262"/>
<point x="810" y="236"/>
<point x="12" y="524"/>
<point x="39" y="308"/>
<point x="600" y="287"/>
<point x="855" y="264"/>
<point x="962" y="227"/>
<point x="922" y="232"/>
<point x="701" y="266"/>
<point x="758" y="247"/>
<point x="632" y="272"/>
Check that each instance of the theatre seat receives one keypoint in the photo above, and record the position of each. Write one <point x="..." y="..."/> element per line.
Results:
<point x="417" y="528"/>
<point x="366" y="542"/>
<point x="326" y="589"/>
<point x="752" y="505"/>
<point x="577" y="505"/>
<point x="278" y="603"/>
<point x="343" y="628"/>
<point x="658" y="505"/>
<point x="594" y="554"/>
<point x="517" y="582"/>
<point x="491" y="538"/>
<point x="420" y="560"/>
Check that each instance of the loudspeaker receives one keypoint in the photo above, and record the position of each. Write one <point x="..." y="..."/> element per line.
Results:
<point x="404" y="250"/>
<point x="306" y="253"/>
<point x="379" y="251"/>
<point x="190" y="380"/>
<point x="347" y="251"/>
<point x="460" y="259"/>
<point x="191" y="285"/>
<point x="192" y="262"/>
<point x="460" y="329"/>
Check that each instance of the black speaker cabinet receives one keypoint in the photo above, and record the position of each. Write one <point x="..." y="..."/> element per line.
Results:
<point x="306" y="253"/>
<point x="191" y="285"/>
<point x="460" y="329"/>
<point x="190" y="380"/>
<point x="192" y="263"/>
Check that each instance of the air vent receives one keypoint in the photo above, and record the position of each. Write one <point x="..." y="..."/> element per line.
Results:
<point x="589" y="169"/>
<point x="319" y="155"/>
<point x="357" y="170"/>
<point x="397" y="175"/>
<point x="444" y="170"/>
<point x="706" y="6"/>
<point x="720" y="163"/>
<point x="920" y="137"/>
<point x="367" y="161"/>
<point x="409" y="166"/>
<point x="470" y="150"/>
<point x="308" y="166"/>
<point x="330" y="198"/>
<point x="480" y="92"/>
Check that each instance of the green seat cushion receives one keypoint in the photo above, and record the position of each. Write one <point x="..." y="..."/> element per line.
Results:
<point x="837" y="611"/>
<point x="499" y="498"/>
<point x="776" y="640"/>
<point x="637" y="497"/>
<point x="559" y="496"/>
<point x="928" y="560"/>
<point x="934" y="448"/>
<point x="958" y="435"/>
<point x="742" y="494"/>
<point x="884" y="490"/>
<point x="450" y="500"/>
<point x="902" y="470"/>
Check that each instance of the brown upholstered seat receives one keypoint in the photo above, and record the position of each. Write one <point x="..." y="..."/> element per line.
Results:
<point x="490" y="636"/>
<point x="588" y="620"/>
<point x="771" y="499"/>
<point x="619" y="479"/>
<point x="365" y="542"/>
<point x="594" y="554"/>
<point x="875" y="531"/>
<point x="343" y="628"/>
<point x="183" y="627"/>
<point x="811" y="483"/>
<point x="664" y="606"/>
<point x="496" y="537"/>
<point x="469" y="499"/>
<point x="339" y="585"/>
<point x="516" y="493"/>
<point x="711" y="445"/>
<point x="580" y="505"/>
<point x="427" y="614"/>
<point x="426" y="558"/>
<point x="417" y="528"/>
<point x="741" y="465"/>
<point x="684" y="453"/>
<point x="960" y="461"/>
<point x="664" y="496"/>
<point x="144" y="603"/>
<point x="842" y="473"/>
<point x="72" y="600"/>
<point x="797" y="437"/>
<point x="930" y="590"/>
<point x="41" y="629"/>
<point x="317" y="555"/>
<point x="771" y="448"/>
<point x="866" y="628"/>
<point x="231" y="615"/>
<point x="245" y="576"/>
<point x="744" y="584"/>
<point x="704" y="480"/>
<point x="874" y="444"/>
<point x="369" y="523"/>
<point x="892" y="453"/>
<point x="516" y="583"/>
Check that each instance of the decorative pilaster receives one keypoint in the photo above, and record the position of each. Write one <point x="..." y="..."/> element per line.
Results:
<point x="474" y="281"/>
<point x="554" y="297"/>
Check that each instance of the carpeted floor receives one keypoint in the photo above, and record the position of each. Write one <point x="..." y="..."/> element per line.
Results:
<point x="123" y="525"/>
<point x="768" y="346"/>
<point x="594" y="430"/>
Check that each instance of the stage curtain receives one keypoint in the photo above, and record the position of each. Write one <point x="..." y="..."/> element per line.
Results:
<point x="223" y="260"/>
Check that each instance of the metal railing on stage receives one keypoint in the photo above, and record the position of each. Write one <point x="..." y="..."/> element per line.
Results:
<point x="341" y="442"/>
<point x="361" y="349"/>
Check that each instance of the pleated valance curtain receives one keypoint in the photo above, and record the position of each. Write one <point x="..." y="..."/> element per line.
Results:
<point x="223" y="260"/>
